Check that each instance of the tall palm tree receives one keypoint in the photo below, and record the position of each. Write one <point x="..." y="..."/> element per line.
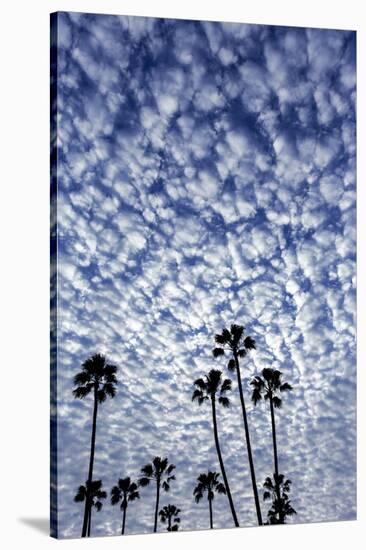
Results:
<point x="208" y="483"/>
<point x="208" y="389"/>
<point x="270" y="386"/>
<point x="238" y="345"/>
<point x="278" y="490"/>
<point x="160" y="472"/>
<point x="125" y="491"/>
<point x="95" y="494"/>
<point x="170" y="513"/>
<point x="98" y="378"/>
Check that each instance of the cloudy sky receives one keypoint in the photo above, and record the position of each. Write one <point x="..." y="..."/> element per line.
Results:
<point x="206" y="175"/>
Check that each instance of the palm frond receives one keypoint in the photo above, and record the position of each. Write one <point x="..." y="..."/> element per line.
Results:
<point x="200" y="383"/>
<point x="256" y="396"/>
<point x="231" y="365"/>
<point x="224" y="401"/>
<point x="277" y="402"/>
<point x="147" y="470"/>
<point x="144" y="481"/>
<point x="249" y="343"/>
<point x="217" y="352"/>
<point x="226" y="386"/>
<point x="115" y="495"/>
<point x="82" y="391"/>
<point x="82" y="378"/>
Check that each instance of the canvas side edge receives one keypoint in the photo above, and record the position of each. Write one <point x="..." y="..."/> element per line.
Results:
<point x="53" y="276"/>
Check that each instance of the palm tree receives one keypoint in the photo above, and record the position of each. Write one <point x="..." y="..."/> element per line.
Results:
<point x="208" y="483"/>
<point x="281" y="504"/>
<point x="207" y="389"/>
<point x="98" y="378"/>
<point x="270" y="387"/>
<point x="126" y="492"/>
<point x="238" y="345"/>
<point x="170" y="513"/>
<point x="159" y="471"/>
<point x="95" y="494"/>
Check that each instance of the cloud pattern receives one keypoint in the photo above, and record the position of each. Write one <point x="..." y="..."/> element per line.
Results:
<point x="206" y="175"/>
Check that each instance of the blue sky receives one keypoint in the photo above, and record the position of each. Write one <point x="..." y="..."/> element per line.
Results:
<point x="206" y="175"/>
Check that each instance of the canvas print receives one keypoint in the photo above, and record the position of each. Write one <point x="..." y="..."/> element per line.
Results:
<point x="203" y="262"/>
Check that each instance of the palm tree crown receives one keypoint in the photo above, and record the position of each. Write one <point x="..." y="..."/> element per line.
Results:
<point x="157" y="470"/>
<point x="269" y="387"/>
<point x="96" y="494"/>
<point x="125" y="491"/>
<point x="211" y="385"/>
<point x="235" y="342"/>
<point x="278" y="490"/>
<point x="170" y="513"/>
<point x="208" y="483"/>
<point x="98" y="375"/>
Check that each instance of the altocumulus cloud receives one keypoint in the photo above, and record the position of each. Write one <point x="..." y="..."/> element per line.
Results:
<point x="206" y="175"/>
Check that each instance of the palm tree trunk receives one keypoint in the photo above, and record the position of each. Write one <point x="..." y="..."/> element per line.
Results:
<point x="275" y="456"/>
<point x="157" y="504"/>
<point x="211" y="519"/>
<point x="89" y="521"/>
<point x="274" y="436"/>
<point x="91" y="464"/>
<point x="249" y="447"/>
<point x="124" y="519"/>
<point x="169" y="523"/>
<point x="217" y="443"/>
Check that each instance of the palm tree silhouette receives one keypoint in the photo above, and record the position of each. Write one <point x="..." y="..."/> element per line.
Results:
<point x="125" y="491"/>
<point x="98" y="378"/>
<point x="170" y="513"/>
<point x="270" y="387"/>
<point x="278" y="491"/>
<point x="207" y="389"/>
<point x="208" y="483"/>
<point x="238" y="345"/>
<point x="95" y="494"/>
<point x="159" y="471"/>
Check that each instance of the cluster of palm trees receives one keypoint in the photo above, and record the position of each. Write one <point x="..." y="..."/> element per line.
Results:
<point x="98" y="379"/>
<point x="214" y="389"/>
<point x="125" y="491"/>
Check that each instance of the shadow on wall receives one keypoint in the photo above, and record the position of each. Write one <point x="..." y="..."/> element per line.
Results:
<point x="39" y="524"/>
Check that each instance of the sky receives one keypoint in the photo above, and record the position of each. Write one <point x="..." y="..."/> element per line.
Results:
<point x="206" y="176"/>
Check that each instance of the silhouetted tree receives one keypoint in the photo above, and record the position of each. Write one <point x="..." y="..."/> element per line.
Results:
<point x="170" y="514"/>
<point x="125" y="491"/>
<point x="159" y="471"/>
<point x="95" y="494"/>
<point x="270" y="387"/>
<point x="238" y="345"/>
<point x="97" y="377"/>
<point x="278" y="490"/>
<point x="208" y="483"/>
<point x="208" y="389"/>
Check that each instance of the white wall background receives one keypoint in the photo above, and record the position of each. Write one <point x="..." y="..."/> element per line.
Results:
<point x="24" y="394"/>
